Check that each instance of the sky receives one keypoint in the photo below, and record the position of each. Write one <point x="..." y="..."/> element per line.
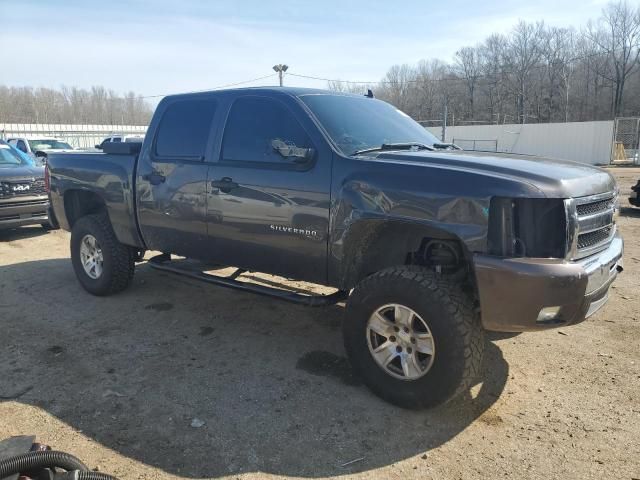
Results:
<point x="161" y="47"/>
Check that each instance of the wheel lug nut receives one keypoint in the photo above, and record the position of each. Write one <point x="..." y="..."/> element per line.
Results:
<point x="398" y="349"/>
<point x="413" y="340"/>
<point x="392" y="338"/>
<point x="406" y="330"/>
<point x="396" y="329"/>
<point x="409" y="350"/>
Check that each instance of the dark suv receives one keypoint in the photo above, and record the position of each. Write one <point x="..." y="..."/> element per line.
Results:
<point x="23" y="198"/>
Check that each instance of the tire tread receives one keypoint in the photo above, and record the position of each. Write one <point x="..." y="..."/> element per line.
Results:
<point x="460" y="305"/>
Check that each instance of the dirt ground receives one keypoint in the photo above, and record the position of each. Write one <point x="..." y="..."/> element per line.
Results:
<point x="176" y="379"/>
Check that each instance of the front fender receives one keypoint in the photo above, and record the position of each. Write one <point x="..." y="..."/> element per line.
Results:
<point x="372" y="229"/>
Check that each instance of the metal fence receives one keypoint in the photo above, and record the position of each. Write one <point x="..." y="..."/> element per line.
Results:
<point x="78" y="136"/>
<point x="626" y="140"/>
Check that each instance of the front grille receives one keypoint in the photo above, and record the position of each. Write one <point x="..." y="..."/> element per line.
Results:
<point x="595" y="207"/>
<point x="28" y="203"/>
<point x="22" y="187"/>
<point x="37" y="187"/>
<point x="595" y="226"/>
<point x="591" y="239"/>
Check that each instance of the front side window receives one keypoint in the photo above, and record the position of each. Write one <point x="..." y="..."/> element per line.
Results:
<point x="356" y="123"/>
<point x="116" y="140"/>
<point x="21" y="146"/>
<point x="184" y="128"/>
<point x="263" y="130"/>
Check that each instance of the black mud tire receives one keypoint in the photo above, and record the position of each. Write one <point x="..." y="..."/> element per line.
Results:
<point x="451" y="317"/>
<point x="118" y="259"/>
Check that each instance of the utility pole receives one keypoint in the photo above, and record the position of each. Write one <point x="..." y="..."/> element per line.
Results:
<point x="444" y="118"/>
<point x="280" y="68"/>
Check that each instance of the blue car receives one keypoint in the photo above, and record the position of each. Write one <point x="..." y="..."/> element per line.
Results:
<point x="21" y="154"/>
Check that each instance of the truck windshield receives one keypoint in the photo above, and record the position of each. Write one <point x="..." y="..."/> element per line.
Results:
<point x="47" y="144"/>
<point x="9" y="158"/>
<point x="359" y="123"/>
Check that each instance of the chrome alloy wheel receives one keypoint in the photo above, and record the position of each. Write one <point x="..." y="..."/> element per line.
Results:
<point x="400" y="342"/>
<point x="91" y="256"/>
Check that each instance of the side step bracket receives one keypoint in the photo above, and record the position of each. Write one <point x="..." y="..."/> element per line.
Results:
<point x="163" y="262"/>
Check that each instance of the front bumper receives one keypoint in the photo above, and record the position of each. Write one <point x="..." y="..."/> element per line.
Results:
<point x="513" y="291"/>
<point x="23" y="211"/>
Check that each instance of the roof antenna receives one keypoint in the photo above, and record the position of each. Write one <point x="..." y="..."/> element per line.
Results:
<point x="369" y="93"/>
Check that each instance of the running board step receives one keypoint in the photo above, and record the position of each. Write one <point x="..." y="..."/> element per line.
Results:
<point x="163" y="262"/>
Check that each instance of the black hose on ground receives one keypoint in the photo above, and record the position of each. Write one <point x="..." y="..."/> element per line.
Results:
<point x="39" y="460"/>
<point x="81" y="475"/>
<point x="94" y="476"/>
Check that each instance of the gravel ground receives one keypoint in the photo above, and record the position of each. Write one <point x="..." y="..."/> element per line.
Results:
<point x="173" y="378"/>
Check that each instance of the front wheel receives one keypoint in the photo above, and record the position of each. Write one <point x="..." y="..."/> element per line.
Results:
<point x="102" y="264"/>
<point x="413" y="336"/>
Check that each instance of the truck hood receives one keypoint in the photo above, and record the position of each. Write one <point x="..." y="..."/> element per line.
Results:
<point x="553" y="178"/>
<point x="18" y="173"/>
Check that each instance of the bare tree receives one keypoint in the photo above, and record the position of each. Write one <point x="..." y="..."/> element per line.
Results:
<point x="72" y="105"/>
<point x="347" y="87"/>
<point x="492" y="59"/>
<point x="469" y="66"/>
<point x="617" y="35"/>
<point x="523" y="53"/>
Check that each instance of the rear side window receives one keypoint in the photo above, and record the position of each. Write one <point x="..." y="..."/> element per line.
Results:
<point x="184" y="128"/>
<point x="253" y="124"/>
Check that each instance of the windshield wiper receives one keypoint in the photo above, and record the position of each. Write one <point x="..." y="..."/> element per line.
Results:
<point x="395" y="146"/>
<point x="446" y="146"/>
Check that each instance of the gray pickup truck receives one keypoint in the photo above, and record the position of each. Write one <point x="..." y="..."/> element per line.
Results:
<point x="428" y="245"/>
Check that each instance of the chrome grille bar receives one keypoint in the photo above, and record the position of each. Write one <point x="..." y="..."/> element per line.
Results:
<point x="591" y="224"/>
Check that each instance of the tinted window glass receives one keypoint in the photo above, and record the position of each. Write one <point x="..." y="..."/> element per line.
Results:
<point x="253" y="124"/>
<point x="49" y="144"/>
<point x="184" y="128"/>
<point x="21" y="146"/>
<point x="9" y="158"/>
<point x="355" y="123"/>
<point x="116" y="140"/>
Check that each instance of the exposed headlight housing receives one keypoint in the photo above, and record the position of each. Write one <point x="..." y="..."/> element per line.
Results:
<point x="527" y="227"/>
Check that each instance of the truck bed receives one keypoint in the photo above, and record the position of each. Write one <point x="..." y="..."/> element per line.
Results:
<point x="109" y="175"/>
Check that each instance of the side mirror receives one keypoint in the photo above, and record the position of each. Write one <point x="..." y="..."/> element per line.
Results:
<point x="298" y="154"/>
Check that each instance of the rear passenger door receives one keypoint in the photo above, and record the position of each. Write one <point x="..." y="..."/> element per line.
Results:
<point x="268" y="211"/>
<point x="172" y="177"/>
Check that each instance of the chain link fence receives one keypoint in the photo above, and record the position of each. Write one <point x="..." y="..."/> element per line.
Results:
<point x="626" y="140"/>
<point x="78" y="136"/>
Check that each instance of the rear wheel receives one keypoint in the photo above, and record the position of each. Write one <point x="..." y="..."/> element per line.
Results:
<point x="413" y="336"/>
<point x="102" y="264"/>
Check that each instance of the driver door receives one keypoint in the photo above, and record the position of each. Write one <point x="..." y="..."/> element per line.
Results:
<point x="267" y="209"/>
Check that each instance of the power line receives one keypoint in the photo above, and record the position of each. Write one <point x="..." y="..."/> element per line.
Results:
<point x="442" y="79"/>
<point x="281" y="73"/>
<point x="338" y="80"/>
<point x="228" y="85"/>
